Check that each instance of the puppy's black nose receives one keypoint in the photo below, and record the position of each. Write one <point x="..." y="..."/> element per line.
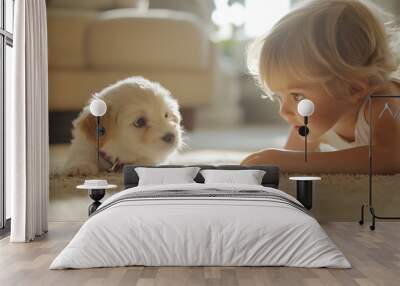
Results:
<point x="168" y="138"/>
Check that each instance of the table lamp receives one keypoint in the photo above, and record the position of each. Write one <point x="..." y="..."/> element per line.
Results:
<point x="98" y="108"/>
<point x="305" y="108"/>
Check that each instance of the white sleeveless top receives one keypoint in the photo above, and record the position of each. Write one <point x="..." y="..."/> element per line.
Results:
<point x="361" y="133"/>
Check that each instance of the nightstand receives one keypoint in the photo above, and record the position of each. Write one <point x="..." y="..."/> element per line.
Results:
<point x="97" y="190"/>
<point x="304" y="191"/>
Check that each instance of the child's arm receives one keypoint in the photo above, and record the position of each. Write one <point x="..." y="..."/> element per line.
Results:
<point x="353" y="160"/>
<point x="296" y="143"/>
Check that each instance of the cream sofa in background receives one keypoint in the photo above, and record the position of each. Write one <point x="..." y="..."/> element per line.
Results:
<point x="92" y="45"/>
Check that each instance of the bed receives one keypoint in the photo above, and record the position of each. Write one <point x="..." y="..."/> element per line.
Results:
<point x="201" y="224"/>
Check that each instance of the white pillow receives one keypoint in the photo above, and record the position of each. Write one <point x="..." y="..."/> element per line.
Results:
<point x="163" y="176"/>
<point x="248" y="177"/>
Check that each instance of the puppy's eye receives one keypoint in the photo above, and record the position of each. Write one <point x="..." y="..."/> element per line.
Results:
<point x="140" y="122"/>
<point x="166" y="115"/>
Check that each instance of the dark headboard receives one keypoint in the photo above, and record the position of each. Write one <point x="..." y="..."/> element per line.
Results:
<point x="270" y="179"/>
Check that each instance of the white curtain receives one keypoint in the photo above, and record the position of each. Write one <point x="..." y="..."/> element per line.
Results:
<point x="27" y="152"/>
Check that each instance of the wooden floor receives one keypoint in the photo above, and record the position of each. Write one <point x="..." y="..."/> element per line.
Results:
<point x="375" y="257"/>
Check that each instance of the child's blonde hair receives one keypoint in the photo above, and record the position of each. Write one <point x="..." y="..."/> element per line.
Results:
<point x="340" y="44"/>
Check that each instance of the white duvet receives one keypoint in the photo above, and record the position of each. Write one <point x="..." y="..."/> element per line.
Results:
<point x="200" y="231"/>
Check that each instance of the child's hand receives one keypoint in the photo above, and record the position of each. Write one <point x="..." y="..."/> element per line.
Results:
<point x="265" y="157"/>
<point x="249" y="159"/>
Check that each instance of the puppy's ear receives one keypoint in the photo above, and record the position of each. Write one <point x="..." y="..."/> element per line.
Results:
<point x="87" y="124"/>
<point x="109" y="122"/>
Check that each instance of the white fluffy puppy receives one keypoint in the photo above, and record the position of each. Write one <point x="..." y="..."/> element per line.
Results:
<point x="142" y="126"/>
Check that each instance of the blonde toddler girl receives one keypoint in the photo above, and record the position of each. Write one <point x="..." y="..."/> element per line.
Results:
<point x="335" y="53"/>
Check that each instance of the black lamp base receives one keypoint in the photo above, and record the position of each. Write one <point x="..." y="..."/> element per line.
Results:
<point x="96" y="195"/>
<point x="305" y="193"/>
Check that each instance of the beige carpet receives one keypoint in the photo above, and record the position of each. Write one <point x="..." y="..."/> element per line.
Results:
<point x="336" y="197"/>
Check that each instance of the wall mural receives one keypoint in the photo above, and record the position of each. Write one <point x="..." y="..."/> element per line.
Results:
<point x="136" y="85"/>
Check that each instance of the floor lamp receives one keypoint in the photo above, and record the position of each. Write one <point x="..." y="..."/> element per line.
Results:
<point x="370" y="202"/>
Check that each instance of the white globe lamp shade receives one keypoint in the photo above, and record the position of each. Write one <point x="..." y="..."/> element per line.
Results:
<point x="98" y="107"/>
<point x="305" y="107"/>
